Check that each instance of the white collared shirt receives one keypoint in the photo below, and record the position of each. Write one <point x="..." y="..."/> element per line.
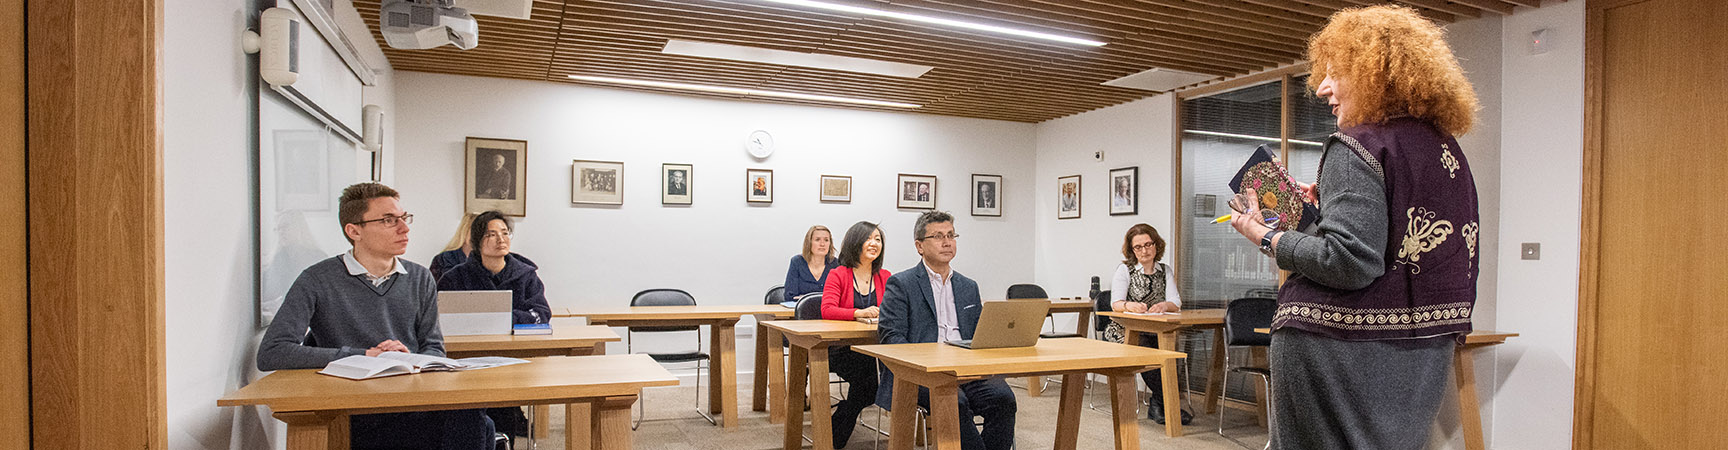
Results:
<point x="942" y="293"/>
<point x="1119" y="284"/>
<point x="354" y="268"/>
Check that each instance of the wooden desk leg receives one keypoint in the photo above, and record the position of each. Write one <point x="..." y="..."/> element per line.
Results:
<point x="903" y="415"/>
<point x="945" y="414"/>
<point x="797" y="381"/>
<point x="1068" y="413"/>
<point x="723" y="371"/>
<point x="611" y="427"/>
<point x="1215" y="376"/>
<point x="316" y="431"/>
<point x="1034" y="386"/>
<point x="1124" y="403"/>
<point x="543" y="427"/>
<point x="776" y="378"/>
<point x="1469" y="412"/>
<point x="1084" y="325"/>
<point x="759" y="374"/>
<point x="579" y="425"/>
<point x="821" y="412"/>
<point x="1172" y="390"/>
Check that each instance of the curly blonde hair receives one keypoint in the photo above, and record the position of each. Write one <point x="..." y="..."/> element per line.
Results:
<point x="1393" y="62"/>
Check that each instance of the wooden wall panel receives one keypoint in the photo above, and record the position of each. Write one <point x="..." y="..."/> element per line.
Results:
<point x="14" y="299"/>
<point x="96" y="218"/>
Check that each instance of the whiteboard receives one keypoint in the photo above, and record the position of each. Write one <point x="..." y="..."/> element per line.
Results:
<point x="307" y="152"/>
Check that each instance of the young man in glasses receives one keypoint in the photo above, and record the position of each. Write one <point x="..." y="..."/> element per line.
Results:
<point x="934" y="303"/>
<point x="367" y="301"/>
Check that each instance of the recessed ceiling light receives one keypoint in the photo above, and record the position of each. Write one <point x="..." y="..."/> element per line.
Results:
<point x="1159" y="79"/>
<point x="742" y="91"/>
<point x="939" y="21"/>
<point x="786" y="58"/>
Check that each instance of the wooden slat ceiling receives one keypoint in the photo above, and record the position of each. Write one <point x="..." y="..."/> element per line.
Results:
<point x="976" y="74"/>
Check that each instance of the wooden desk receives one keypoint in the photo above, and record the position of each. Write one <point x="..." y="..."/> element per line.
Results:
<point x="721" y="321"/>
<point x="809" y="370"/>
<point x="569" y="338"/>
<point x="316" y="407"/>
<point x="942" y="367"/>
<point x="1035" y="385"/>
<point x="1168" y="327"/>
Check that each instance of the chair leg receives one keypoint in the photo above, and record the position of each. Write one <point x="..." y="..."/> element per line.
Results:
<point x="701" y="367"/>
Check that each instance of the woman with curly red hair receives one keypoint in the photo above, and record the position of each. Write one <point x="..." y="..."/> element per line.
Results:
<point x="1383" y="285"/>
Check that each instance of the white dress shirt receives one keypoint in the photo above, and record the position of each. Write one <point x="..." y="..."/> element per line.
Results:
<point x="947" y="319"/>
<point x="354" y="268"/>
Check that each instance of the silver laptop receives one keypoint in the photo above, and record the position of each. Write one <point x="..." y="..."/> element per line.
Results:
<point x="1007" y="324"/>
<point x="465" y="313"/>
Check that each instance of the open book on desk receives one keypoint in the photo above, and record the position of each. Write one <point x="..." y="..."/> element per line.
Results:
<point x="361" y="367"/>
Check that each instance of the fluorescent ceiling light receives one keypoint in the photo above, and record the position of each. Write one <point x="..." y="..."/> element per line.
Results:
<point x="742" y="91"/>
<point x="939" y="21"/>
<point x="786" y="58"/>
<point x="1249" y="137"/>
<point x="1159" y="79"/>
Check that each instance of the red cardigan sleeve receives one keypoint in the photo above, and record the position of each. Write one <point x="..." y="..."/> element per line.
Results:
<point x="837" y="295"/>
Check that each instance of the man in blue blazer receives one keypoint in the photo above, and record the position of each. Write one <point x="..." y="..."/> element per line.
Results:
<point x="933" y="303"/>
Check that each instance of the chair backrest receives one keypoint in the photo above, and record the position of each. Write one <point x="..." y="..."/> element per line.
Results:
<point x="1243" y="315"/>
<point x="663" y="297"/>
<point x="1102" y="303"/>
<point x="809" y="307"/>
<point x="775" y="295"/>
<point x="1026" y="291"/>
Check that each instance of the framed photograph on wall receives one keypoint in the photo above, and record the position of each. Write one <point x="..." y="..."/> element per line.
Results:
<point x="675" y="183"/>
<point x="987" y="195"/>
<point x="497" y="176"/>
<point x="1125" y="191"/>
<point x="1068" y="197"/>
<point x="759" y="185"/>
<point x="915" y="191"/>
<point x="596" y="182"/>
<point x="836" y="188"/>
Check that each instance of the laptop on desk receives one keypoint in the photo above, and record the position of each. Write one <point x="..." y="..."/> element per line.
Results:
<point x="1007" y="324"/>
<point x="467" y="313"/>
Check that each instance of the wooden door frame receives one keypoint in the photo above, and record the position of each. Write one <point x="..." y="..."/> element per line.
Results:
<point x="95" y="218"/>
<point x="14" y="253"/>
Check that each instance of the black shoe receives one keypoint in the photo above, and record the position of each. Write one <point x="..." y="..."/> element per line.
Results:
<point x="1156" y="413"/>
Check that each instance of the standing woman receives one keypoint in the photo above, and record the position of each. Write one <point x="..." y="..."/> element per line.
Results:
<point x="492" y="267"/>
<point x="1141" y="285"/>
<point x="454" y="252"/>
<point x="1383" y="285"/>
<point x="809" y="269"/>
<point x="854" y="291"/>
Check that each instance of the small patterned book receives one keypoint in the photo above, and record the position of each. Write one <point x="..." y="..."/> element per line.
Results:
<point x="1280" y="201"/>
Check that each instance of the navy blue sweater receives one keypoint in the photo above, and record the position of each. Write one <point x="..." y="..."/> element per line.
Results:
<point x="799" y="281"/>
<point x="519" y="276"/>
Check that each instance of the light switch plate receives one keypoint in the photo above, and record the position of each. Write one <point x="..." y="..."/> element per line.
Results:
<point x="1530" y="250"/>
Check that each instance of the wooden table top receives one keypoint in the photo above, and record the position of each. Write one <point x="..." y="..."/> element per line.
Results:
<point x="693" y="312"/>
<point x="1185" y="317"/>
<point x="1065" y="306"/>
<point x="825" y="329"/>
<point x="566" y="333"/>
<point x="1049" y="355"/>
<point x="541" y="380"/>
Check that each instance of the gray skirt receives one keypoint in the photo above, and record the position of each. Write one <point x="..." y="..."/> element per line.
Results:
<point x="1335" y="394"/>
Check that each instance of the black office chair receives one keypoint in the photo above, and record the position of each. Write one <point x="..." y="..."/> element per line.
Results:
<point x="1241" y="317"/>
<point x="809" y="307"/>
<point x="669" y="297"/>
<point x="776" y="295"/>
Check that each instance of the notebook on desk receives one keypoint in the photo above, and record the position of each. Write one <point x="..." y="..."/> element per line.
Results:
<point x="467" y="313"/>
<point x="999" y="325"/>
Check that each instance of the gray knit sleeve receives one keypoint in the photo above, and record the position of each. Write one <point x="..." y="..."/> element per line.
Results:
<point x="1348" y="248"/>
<point x="283" y="346"/>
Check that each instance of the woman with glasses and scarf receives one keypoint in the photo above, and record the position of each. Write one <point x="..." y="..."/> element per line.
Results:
<point x="1144" y="285"/>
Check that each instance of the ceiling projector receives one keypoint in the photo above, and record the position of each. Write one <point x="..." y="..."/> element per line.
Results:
<point x="423" y="24"/>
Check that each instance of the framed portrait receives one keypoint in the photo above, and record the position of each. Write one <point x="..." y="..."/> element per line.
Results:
<point x="596" y="182"/>
<point x="497" y="176"/>
<point x="987" y="195"/>
<point x="1125" y="191"/>
<point x="1068" y="197"/>
<point x="836" y="188"/>
<point x="759" y="185"/>
<point x="675" y="183"/>
<point x="915" y="191"/>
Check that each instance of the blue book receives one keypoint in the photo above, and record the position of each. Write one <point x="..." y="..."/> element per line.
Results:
<point x="531" y="329"/>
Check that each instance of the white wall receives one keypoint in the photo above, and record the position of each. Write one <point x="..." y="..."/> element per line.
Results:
<point x="720" y="249"/>
<point x="1540" y="201"/>
<point x="208" y="163"/>
<point x="1072" y="251"/>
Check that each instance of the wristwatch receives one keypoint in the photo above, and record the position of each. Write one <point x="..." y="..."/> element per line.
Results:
<point x="1266" y="242"/>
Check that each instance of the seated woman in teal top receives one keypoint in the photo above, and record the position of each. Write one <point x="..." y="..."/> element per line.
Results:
<point x="809" y="269"/>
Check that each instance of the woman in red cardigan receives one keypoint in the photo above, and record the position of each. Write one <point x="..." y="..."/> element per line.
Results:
<point x="853" y="292"/>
